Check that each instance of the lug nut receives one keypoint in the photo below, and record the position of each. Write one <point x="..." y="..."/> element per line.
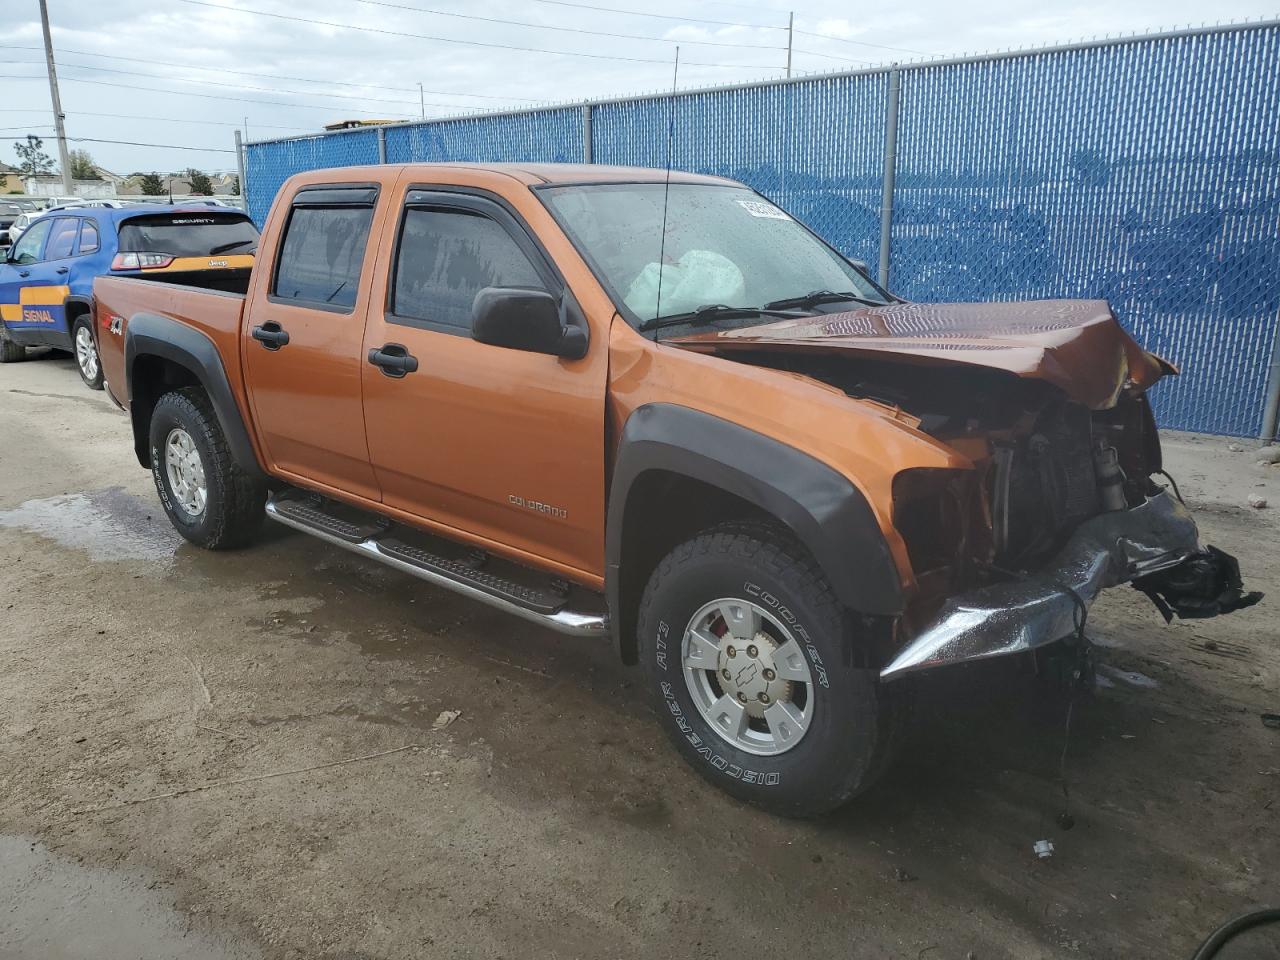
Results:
<point x="769" y="674"/>
<point x="764" y="697"/>
<point x="731" y="651"/>
<point x="742" y="696"/>
<point x="752" y="651"/>
<point x="725" y="674"/>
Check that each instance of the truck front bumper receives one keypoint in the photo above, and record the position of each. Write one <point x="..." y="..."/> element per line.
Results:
<point x="1046" y="606"/>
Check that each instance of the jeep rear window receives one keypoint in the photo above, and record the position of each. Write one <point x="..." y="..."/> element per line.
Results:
<point x="194" y="234"/>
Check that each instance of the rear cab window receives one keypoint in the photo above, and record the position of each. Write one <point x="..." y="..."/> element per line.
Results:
<point x="322" y="254"/>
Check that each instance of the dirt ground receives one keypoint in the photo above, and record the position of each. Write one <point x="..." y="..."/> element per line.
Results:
<point x="551" y="819"/>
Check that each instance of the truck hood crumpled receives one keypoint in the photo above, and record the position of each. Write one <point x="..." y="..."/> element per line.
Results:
<point x="1075" y="345"/>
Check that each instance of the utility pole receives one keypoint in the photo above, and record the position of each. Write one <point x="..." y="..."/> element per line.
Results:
<point x="422" y="103"/>
<point x="791" y="24"/>
<point x="57" y="101"/>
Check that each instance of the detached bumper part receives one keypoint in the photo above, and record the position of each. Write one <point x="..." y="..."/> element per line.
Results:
<point x="1156" y="544"/>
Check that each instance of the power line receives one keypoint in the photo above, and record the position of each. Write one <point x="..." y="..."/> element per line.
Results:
<point x="159" y="146"/>
<point x="131" y="116"/>
<point x="203" y="96"/>
<point x="546" y="26"/>
<point x="270" y="76"/>
<point x="815" y="53"/>
<point x="237" y="86"/>
<point x="468" y="43"/>
<point x="861" y="43"/>
<point x="659" y="16"/>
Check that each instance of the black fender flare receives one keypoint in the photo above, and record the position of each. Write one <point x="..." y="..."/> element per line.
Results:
<point x="822" y="507"/>
<point x="150" y="335"/>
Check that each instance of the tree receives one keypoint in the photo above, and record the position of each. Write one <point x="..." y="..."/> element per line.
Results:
<point x="200" y="182"/>
<point x="32" y="160"/>
<point x="235" y="186"/>
<point x="82" y="166"/>
<point x="151" y="184"/>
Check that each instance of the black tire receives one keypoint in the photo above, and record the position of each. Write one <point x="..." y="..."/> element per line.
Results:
<point x="233" y="507"/>
<point x="846" y="744"/>
<point x="92" y="381"/>
<point x="10" y="352"/>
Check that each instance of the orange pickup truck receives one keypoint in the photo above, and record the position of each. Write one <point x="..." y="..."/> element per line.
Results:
<point x="657" y="409"/>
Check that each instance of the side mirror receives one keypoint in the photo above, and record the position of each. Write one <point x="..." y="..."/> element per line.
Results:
<point x="862" y="265"/>
<point x="525" y="320"/>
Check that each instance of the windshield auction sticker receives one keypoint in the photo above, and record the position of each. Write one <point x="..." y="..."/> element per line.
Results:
<point x="758" y="208"/>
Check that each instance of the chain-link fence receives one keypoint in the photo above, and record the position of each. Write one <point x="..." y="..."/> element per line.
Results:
<point x="1144" y="171"/>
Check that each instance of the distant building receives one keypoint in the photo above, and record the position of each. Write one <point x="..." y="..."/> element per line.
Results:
<point x="10" y="179"/>
<point x="50" y="185"/>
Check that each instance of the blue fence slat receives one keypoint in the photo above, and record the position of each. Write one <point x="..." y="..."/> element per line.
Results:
<point x="1142" y="172"/>
<point x="268" y="165"/>
<point x="545" y="136"/>
<point x="1115" y="172"/>
<point x="816" y="149"/>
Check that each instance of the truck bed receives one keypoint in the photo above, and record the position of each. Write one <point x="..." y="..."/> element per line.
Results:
<point x="206" y="308"/>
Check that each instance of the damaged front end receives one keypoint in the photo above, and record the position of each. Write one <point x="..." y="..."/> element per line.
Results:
<point x="1046" y="404"/>
<point x="1154" y="546"/>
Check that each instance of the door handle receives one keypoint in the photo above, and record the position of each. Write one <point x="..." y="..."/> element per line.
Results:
<point x="394" y="359"/>
<point x="271" y="335"/>
<point x="63" y="269"/>
<point x="24" y="273"/>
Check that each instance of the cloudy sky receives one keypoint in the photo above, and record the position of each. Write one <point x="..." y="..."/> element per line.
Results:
<point x="186" y="73"/>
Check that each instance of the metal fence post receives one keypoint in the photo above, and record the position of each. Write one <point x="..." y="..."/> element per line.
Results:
<point x="890" y="169"/>
<point x="586" y="133"/>
<point x="382" y="144"/>
<point x="1271" y="409"/>
<point x="244" y="187"/>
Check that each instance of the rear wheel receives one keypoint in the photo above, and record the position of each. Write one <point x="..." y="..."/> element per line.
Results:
<point x="86" y="352"/>
<point x="209" y="499"/>
<point x="747" y="653"/>
<point x="10" y="352"/>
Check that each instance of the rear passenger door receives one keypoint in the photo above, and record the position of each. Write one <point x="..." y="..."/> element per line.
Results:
<point x="302" y="341"/>
<point x="503" y="446"/>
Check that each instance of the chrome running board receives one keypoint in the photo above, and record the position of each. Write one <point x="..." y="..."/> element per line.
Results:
<point x="509" y="597"/>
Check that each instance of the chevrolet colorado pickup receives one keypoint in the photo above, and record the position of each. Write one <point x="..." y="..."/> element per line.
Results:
<point x="656" y="408"/>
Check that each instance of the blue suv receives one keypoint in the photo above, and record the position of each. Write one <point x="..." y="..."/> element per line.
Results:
<point x="46" y="280"/>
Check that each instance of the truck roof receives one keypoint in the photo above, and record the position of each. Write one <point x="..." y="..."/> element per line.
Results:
<point x="530" y="173"/>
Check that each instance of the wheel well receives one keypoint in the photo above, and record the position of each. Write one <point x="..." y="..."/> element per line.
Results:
<point x="665" y="509"/>
<point x="150" y="378"/>
<point x="75" y="309"/>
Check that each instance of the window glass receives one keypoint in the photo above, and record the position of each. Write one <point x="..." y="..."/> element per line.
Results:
<point x="189" y="234"/>
<point x="322" y="253"/>
<point x="447" y="257"/>
<point x="88" y="237"/>
<point x="62" y="239"/>
<point x="27" y="249"/>
<point x="716" y="244"/>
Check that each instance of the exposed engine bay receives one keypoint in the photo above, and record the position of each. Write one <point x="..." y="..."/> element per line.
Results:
<point x="1062" y="500"/>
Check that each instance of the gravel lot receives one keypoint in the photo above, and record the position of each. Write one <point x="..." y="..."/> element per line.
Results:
<point x="550" y="819"/>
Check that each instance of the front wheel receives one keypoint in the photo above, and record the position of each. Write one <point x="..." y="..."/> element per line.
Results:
<point x="209" y="499"/>
<point x="749" y="657"/>
<point x="87" y="353"/>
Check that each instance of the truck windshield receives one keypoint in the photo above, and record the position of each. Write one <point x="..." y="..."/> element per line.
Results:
<point x="189" y="234"/>
<point x="724" y="246"/>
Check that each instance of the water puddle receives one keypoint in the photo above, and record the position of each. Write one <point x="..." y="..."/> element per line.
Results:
<point x="60" y="910"/>
<point x="107" y="524"/>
